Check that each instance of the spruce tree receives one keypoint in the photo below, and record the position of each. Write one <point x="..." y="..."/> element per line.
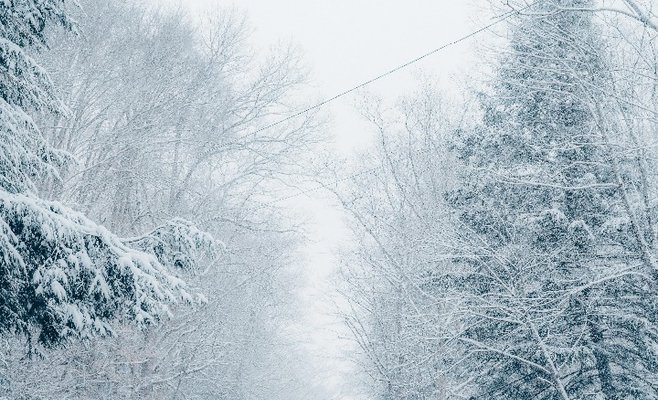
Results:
<point x="555" y="308"/>
<point x="61" y="275"/>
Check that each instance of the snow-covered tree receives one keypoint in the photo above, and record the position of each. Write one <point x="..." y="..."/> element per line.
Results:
<point x="160" y="120"/>
<point x="398" y="316"/>
<point x="538" y="278"/>
<point x="61" y="275"/>
<point x="554" y="277"/>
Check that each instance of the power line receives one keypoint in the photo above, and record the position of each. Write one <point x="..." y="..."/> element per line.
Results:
<point x="497" y="21"/>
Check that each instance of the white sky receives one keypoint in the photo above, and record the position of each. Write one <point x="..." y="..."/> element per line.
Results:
<point x="345" y="42"/>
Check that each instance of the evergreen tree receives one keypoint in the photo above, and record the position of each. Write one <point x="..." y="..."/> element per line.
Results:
<point x="61" y="275"/>
<point x="557" y="306"/>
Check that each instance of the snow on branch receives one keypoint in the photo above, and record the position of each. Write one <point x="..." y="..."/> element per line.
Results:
<point x="63" y="276"/>
<point x="24" y="153"/>
<point x="179" y="244"/>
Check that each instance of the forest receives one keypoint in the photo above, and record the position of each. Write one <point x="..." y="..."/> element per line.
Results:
<point x="501" y="238"/>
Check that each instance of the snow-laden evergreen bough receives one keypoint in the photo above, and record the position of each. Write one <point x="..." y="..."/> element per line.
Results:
<point x="61" y="275"/>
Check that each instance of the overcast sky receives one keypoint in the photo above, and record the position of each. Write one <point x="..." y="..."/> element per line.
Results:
<point x="346" y="42"/>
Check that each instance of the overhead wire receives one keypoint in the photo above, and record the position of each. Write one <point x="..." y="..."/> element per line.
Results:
<point x="484" y="28"/>
<point x="344" y="93"/>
